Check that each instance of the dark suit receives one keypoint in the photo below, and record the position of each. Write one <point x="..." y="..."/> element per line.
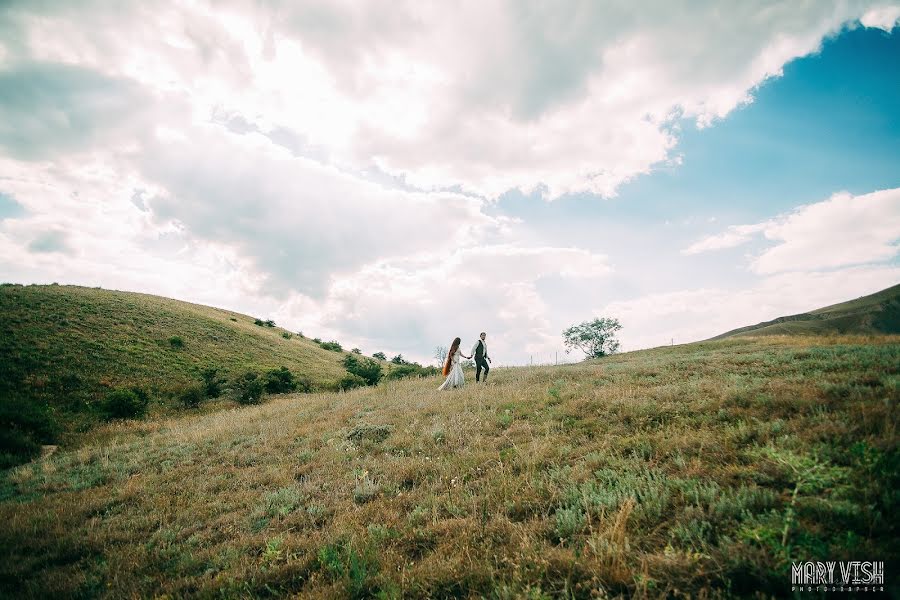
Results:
<point x="481" y="361"/>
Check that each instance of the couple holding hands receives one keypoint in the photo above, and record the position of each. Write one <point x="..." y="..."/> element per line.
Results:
<point x="453" y="366"/>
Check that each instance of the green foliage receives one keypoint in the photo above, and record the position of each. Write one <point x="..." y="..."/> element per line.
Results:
<point x="398" y="360"/>
<point x="212" y="383"/>
<point x="249" y="388"/>
<point x="380" y="356"/>
<point x="24" y="427"/>
<point x="366" y="368"/>
<point x="287" y="335"/>
<point x="259" y="322"/>
<point x="124" y="403"/>
<point x="356" y="351"/>
<point x="280" y="381"/>
<point x="412" y="370"/>
<point x="351" y="381"/>
<point x="595" y="338"/>
<point x="332" y="345"/>
<point x="192" y="396"/>
<point x="176" y="342"/>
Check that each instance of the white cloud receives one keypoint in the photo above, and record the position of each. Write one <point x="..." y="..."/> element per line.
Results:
<point x="883" y="17"/>
<point x="487" y="96"/>
<point x="843" y="230"/>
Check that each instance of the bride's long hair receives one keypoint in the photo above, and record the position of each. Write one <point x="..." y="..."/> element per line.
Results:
<point x="453" y="348"/>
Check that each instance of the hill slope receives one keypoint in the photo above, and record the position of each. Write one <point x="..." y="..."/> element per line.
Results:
<point x="876" y="313"/>
<point x="66" y="346"/>
<point x="700" y="470"/>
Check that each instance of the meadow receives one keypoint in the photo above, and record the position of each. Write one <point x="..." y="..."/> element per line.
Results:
<point x="700" y="470"/>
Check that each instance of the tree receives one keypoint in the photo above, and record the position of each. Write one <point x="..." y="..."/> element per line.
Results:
<point x="440" y="355"/>
<point x="398" y="360"/>
<point x="595" y="338"/>
<point x="380" y="356"/>
<point x="368" y="369"/>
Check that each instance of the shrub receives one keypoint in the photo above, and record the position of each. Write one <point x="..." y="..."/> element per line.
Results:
<point x="356" y="351"/>
<point x="24" y="426"/>
<point x="366" y="368"/>
<point x="212" y="383"/>
<point x="287" y="335"/>
<point x="280" y="381"/>
<point x="332" y="345"/>
<point x="259" y="322"/>
<point x="191" y="396"/>
<point x="269" y="323"/>
<point x="351" y="381"/>
<point x="412" y="370"/>
<point x="317" y="340"/>
<point x="125" y="403"/>
<point x="380" y="356"/>
<point x="304" y="384"/>
<point x="176" y="342"/>
<point x="249" y="388"/>
<point x="398" y="360"/>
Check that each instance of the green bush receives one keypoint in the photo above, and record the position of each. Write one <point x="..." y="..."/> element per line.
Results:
<point x="351" y="381"/>
<point x="259" y="322"/>
<point x="212" y="383"/>
<point x="411" y="370"/>
<point x="24" y="426"/>
<point x="366" y="368"/>
<point x="332" y="345"/>
<point x="287" y="335"/>
<point x="176" y="342"/>
<point x="304" y="384"/>
<point x="399" y="360"/>
<point x="280" y="381"/>
<point x="249" y="388"/>
<point x="380" y="356"/>
<point x="124" y="403"/>
<point x="191" y="396"/>
<point x="356" y="351"/>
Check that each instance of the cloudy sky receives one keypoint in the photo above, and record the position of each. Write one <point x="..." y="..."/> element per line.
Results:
<point x="393" y="174"/>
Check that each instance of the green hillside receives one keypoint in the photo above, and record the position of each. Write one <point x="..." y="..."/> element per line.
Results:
<point x="873" y="314"/>
<point x="65" y="347"/>
<point x="700" y="470"/>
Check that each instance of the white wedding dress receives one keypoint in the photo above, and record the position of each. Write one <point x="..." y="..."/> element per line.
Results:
<point x="455" y="378"/>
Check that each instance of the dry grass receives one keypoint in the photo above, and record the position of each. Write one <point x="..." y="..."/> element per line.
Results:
<point x="670" y="472"/>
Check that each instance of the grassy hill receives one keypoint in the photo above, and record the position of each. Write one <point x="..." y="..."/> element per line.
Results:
<point x="66" y="346"/>
<point x="695" y="470"/>
<point x="873" y="314"/>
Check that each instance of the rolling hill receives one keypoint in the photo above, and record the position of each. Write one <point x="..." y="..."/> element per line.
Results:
<point x="877" y="313"/>
<point x="62" y="348"/>
<point x="700" y="470"/>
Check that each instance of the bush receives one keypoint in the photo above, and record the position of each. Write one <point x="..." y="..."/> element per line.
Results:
<point x="304" y="384"/>
<point x="212" y="383"/>
<point x="126" y="403"/>
<point x="176" y="342"/>
<point x="259" y="322"/>
<point x="317" y="340"/>
<point x="287" y="335"/>
<point x="366" y="368"/>
<point x="249" y="388"/>
<point x="269" y="323"/>
<point x="356" y="351"/>
<point x="379" y="356"/>
<point x="24" y="426"/>
<point x="412" y="370"/>
<point x="332" y="345"/>
<point x="280" y="381"/>
<point x="351" y="381"/>
<point x="192" y="396"/>
<point x="399" y="360"/>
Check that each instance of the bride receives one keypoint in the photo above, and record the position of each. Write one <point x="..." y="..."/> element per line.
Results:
<point x="453" y="368"/>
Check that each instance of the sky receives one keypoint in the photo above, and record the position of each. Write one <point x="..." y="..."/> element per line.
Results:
<point x="395" y="174"/>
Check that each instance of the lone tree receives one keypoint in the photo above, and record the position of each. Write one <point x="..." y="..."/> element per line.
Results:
<point x="595" y="338"/>
<point x="440" y="355"/>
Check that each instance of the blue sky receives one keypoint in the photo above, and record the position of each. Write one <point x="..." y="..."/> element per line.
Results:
<point x="393" y="175"/>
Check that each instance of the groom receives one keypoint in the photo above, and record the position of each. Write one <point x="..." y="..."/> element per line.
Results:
<point x="479" y="351"/>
